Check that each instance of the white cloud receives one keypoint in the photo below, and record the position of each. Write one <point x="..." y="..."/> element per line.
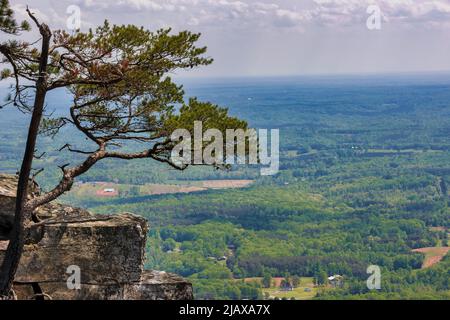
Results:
<point x="283" y="36"/>
<point x="406" y="12"/>
<point x="258" y="13"/>
<point x="289" y="15"/>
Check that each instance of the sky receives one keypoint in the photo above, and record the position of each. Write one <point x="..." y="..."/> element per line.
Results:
<point x="284" y="37"/>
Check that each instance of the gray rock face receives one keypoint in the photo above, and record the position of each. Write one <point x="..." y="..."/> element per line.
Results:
<point x="8" y="186"/>
<point x="153" y="285"/>
<point x="7" y="205"/>
<point x="108" y="250"/>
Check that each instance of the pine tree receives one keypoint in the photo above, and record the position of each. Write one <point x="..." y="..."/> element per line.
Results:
<point x="7" y="22"/>
<point x="122" y="93"/>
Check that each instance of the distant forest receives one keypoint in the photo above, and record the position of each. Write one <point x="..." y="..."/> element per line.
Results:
<point x="364" y="181"/>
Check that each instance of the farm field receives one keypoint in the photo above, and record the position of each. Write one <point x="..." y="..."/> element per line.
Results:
<point x="433" y="255"/>
<point x="297" y="293"/>
<point x="95" y="189"/>
<point x="305" y="291"/>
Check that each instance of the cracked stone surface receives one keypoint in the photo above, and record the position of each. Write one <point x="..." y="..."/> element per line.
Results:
<point x="8" y="187"/>
<point x="107" y="249"/>
<point x="153" y="285"/>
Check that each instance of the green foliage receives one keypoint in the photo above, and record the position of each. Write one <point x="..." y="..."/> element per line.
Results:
<point x="295" y="281"/>
<point x="124" y="100"/>
<point x="7" y="22"/>
<point x="267" y="280"/>
<point x="169" y="245"/>
<point x="363" y="181"/>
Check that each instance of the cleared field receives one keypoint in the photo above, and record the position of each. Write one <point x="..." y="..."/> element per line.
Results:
<point x="305" y="291"/>
<point x="401" y="151"/>
<point x="96" y="189"/>
<point x="437" y="229"/>
<point x="226" y="184"/>
<point x="156" y="189"/>
<point x="432" y="255"/>
<point x="300" y="293"/>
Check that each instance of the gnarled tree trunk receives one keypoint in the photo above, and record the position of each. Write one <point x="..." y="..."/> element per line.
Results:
<point x="23" y="212"/>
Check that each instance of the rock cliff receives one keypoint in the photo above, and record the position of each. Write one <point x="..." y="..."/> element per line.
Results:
<point x="72" y="254"/>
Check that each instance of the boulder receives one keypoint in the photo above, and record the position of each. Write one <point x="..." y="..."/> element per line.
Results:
<point x="107" y="249"/>
<point x="8" y="188"/>
<point x="109" y="252"/>
<point x="153" y="285"/>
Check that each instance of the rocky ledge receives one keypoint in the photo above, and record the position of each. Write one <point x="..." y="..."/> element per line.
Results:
<point x="72" y="254"/>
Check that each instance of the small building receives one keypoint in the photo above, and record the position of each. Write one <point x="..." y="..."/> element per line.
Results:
<point x="336" y="281"/>
<point x="107" y="192"/>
